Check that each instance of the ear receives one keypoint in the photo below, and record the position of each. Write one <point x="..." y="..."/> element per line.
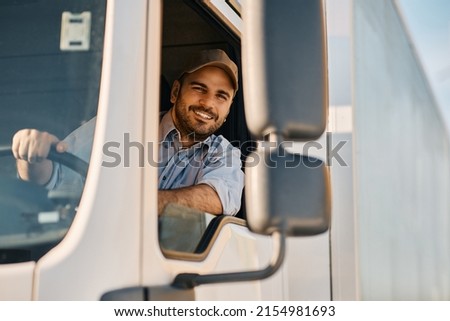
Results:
<point x="175" y="91"/>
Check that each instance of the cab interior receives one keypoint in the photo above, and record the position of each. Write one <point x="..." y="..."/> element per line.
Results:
<point x="202" y="30"/>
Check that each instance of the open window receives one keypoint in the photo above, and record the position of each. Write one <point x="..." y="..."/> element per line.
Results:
<point x="190" y="26"/>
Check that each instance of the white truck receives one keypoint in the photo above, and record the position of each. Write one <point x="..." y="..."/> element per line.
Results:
<point x="351" y="203"/>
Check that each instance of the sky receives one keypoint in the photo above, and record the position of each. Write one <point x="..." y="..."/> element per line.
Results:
<point x="428" y="22"/>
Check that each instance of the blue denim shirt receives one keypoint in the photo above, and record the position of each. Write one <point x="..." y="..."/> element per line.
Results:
<point x="214" y="162"/>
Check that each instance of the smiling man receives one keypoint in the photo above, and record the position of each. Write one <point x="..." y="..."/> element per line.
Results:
<point x="197" y="168"/>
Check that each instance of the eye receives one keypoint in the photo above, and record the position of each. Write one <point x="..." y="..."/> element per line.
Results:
<point x="222" y="97"/>
<point x="199" y="89"/>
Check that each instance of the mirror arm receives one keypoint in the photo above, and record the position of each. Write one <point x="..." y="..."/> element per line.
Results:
<point x="191" y="280"/>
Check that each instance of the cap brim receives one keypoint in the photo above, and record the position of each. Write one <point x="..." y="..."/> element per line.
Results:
<point x="220" y="65"/>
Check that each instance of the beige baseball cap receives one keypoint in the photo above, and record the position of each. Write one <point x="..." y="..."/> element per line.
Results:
<point x="213" y="57"/>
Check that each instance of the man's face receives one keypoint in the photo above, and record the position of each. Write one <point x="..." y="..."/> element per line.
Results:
<point x="202" y="102"/>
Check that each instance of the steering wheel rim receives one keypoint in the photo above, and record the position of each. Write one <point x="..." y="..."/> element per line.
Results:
<point x="22" y="236"/>
<point x="67" y="159"/>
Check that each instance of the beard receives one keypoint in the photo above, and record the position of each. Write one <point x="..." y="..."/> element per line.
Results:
<point x="193" y="129"/>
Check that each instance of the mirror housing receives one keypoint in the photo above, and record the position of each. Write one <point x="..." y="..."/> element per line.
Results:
<point x="287" y="192"/>
<point x="285" y="68"/>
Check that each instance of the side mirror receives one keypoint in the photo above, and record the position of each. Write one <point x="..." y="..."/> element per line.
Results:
<point x="285" y="68"/>
<point x="286" y="97"/>
<point x="288" y="193"/>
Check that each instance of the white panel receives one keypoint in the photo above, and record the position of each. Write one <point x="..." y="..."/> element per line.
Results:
<point x="340" y="128"/>
<point x="225" y="13"/>
<point x="343" y="246"/>
<point x="402" y="163"/>
<point x="239" y="250"/>
<point x="16" y="281"/>
<point x="340" y="119"/>
<point x="101" y="251"/>
<point x="307" y="267"/>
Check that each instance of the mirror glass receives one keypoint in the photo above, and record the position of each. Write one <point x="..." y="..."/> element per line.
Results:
<point x="181" y="229"/>
<point x="287" y="192"/>
<point x="285" y="76"/>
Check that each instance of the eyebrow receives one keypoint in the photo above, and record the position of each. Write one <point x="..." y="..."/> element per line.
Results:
<point x="220" y="91"/>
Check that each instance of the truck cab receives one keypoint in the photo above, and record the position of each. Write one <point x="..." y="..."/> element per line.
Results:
<point x="112" y="63"/>
<point x="344" y="150"/>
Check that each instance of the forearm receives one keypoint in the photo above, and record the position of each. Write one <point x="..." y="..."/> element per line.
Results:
<point x="202" y="197"/>
<point x="38" y="173"/>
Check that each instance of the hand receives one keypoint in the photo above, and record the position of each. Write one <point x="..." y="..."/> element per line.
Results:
<point x="33" y="146"/>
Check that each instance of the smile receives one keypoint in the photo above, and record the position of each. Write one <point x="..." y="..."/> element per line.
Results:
<point x="203" y="115"/>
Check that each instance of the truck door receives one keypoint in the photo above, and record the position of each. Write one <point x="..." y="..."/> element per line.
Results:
<point x="51" y="61"/>
<point x="226" y="246"/>
<point x="101" y="65"/>
<point x="65" y="63"/>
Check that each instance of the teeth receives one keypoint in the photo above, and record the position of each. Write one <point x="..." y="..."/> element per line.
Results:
<point x="203" y="115"/>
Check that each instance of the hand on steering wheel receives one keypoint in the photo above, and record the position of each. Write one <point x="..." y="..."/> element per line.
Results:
<point x="67" y="159"/>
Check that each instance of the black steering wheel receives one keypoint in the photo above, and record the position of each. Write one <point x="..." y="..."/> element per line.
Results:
<point x="22" y="204"/>
<point x="67" y="159"/>
<point x="17" y="196"/>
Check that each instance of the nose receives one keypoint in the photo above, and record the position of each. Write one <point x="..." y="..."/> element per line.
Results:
<point x="206" y="101"/>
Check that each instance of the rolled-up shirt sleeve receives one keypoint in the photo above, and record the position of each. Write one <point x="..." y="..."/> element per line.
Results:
<point x="55" y="178"/>
<point x="222" y="171"/>
<point x="79" y="143"/>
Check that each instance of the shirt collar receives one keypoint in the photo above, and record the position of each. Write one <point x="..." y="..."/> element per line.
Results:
<point x="166" y="127"/>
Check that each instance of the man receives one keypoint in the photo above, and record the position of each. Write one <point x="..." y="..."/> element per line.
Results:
<point x="196" y="168"/>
